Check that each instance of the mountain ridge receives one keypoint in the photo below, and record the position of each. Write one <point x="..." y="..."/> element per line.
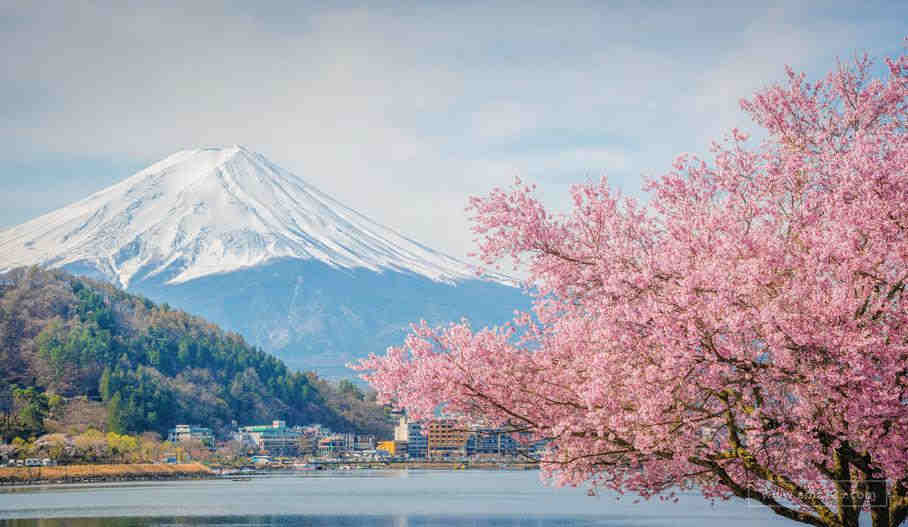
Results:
<point x="226" y="234"/>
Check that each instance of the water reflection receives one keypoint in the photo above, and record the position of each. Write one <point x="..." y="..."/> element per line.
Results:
<point x="362" y="499"/>
<point x="316" y="521"/>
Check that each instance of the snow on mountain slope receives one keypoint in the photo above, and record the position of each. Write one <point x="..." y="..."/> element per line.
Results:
<point x="209" y="211"/>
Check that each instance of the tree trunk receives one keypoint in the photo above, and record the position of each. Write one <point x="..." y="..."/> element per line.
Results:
<point x="879" y="504"/>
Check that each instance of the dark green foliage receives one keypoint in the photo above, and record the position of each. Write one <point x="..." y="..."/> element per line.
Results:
<point x="348" y="388"/>
<point x="92" y="307"/>
<point x="23" y="412"/>
<point x="115" y="421"/>
<point x="153" y="367"/>
<point x="136" y="401"/>
<point x="83" y="343"/>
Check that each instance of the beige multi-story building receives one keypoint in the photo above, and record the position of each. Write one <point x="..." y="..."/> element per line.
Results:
<point x="446" y="438"/>
<point x="402" y="430"/>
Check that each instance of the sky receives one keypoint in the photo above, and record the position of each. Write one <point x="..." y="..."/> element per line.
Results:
<point x="401" y="110"/>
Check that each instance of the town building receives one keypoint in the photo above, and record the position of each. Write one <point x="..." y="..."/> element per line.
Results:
<point x="387" y="446"/>
<point x="446" y="438"/>
<point x="332" y="446"/>
<point x="438" y="438"/>
<point x="364" y="442"/>
<point x="315" y="429"/>
<point x="535" y="449"/>
<point x="349" y="441"/>
<point x="492" y="442"/>
<point x="410" y="432"/>
<point x="308" y="444"/>
<point x="393" y="448"/>
<point x="191" y="433"/>
<point x="276" y="439"/>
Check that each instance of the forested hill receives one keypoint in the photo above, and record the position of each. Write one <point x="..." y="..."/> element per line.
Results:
<point x="152" y="366"/>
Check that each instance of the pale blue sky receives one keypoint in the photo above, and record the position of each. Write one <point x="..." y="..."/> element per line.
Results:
<point x="401" y="112"/>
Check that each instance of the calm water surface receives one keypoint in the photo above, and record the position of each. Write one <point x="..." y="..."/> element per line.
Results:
<point x="360" y="499"/>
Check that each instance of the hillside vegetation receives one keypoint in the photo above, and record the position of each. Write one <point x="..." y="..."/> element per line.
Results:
<point x="65" y="338"/>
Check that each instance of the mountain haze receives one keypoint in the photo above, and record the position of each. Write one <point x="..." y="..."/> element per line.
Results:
<point x="229" y="235"/>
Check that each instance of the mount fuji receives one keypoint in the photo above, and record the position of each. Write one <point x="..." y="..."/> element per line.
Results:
<point x="226" y="234"/>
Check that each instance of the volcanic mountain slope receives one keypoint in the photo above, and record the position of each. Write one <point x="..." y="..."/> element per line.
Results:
<point x="214" y="210"/>
<point x="226" y="234"/>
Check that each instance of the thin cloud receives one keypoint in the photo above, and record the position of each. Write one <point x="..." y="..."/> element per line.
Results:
<point x="400" y="112"/>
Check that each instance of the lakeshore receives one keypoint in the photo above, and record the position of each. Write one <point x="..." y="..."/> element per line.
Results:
<point x="102" y="473"/>
<point x="80" y="474"/>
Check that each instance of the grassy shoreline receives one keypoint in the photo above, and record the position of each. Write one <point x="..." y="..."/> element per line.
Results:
<point x="101" y="473"/>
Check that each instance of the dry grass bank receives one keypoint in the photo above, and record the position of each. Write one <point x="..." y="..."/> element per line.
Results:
<point x="68" y="473"/>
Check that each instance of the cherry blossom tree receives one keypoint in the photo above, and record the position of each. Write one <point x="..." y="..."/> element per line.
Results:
<point x="743" y="333"/>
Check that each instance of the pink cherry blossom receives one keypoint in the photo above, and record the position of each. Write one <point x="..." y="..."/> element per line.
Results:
<point x="744" y="333"/>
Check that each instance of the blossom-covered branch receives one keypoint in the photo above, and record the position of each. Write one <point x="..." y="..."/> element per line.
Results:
<point x="744" y="333"/>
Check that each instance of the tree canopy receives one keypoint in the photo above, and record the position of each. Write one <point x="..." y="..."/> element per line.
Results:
<point x="150" y="366"/>
<point x="743" y="333"/>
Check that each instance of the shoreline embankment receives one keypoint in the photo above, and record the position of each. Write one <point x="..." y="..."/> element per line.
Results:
<point x="102" y="473"/>
<point x="63" y="474"/>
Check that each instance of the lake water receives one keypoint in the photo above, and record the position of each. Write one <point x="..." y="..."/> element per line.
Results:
<point x="412" y="498"/>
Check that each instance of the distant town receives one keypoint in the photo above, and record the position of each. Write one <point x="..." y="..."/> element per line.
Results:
<point x="434" y="440"/>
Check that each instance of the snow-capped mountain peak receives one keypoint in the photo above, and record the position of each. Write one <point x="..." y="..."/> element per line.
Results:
<point x="208" y="211"/>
